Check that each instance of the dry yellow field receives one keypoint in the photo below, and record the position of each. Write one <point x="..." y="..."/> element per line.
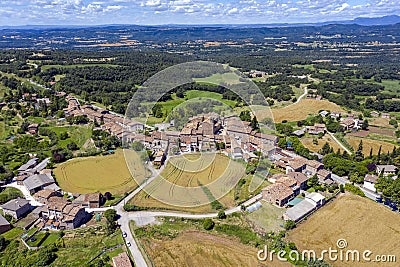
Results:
<point x="99" y="174"/>
<point x="364" y="224"/>
<point x="193" y="248"/>
<point x="308" y="143"/>
<point x="368" y="144"/>
<point x="301" y="110"/>
<point x="189" y="171"/>
<point x="380" y="122"/>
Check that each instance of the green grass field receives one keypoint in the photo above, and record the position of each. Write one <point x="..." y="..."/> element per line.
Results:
<point x="78" y="134"/>
<point x="218" y="78"/>
<point x="268" y="217"/>
<point x="192" y="95"/>
<point x="99" y="174"/>
<point x="13" y="233"/>
<point x="391" y="86"/>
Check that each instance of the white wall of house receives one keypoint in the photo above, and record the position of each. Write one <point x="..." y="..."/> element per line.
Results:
<point x="369" y="186"/>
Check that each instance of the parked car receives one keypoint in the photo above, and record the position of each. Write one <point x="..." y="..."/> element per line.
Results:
<point x="124" y="234"/>
<point x="128" y="244"/>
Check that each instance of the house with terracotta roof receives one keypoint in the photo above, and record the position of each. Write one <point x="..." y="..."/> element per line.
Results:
<point x="278" y="194"/>
<point x="43" y="196"/>
<point x="90" y="200"/>
<point x="296" y="165"/>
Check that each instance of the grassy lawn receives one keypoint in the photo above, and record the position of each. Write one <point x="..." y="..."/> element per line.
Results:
<point x="13" y="233"/>
<point x="170" y="105"/>
<point x="58" y="77"/>
<point x="349" y="217"/>
<point x="100" y="173"/>
<point x="268" y="217"/>
<point x="196" y="94"/>
<point x="39" y="239"/>
<point x="51" y="239"/>
<point x="391" y="86"/>
<point x="78" y="134"/>
<point x="305" y="66"/>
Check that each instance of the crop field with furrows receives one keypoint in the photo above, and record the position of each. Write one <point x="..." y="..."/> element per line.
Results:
<point x="364" y="224"/>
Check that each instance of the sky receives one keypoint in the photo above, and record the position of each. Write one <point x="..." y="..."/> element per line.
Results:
<point x="157" y="12"/>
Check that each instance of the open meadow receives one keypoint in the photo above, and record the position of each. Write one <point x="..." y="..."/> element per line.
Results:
<point x="99" y="174"/>
<point x="364" y="224"/>
<point x="301" y="110"/>
<point x="368" y="144"/>
<point x="218" y="78"/>
<point x="308" y="143"/>
<point x="268" y="217"/>
<point x="180" y="242"/>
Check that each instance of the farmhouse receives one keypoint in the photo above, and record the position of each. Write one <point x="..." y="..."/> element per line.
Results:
<point x="59" y="213"/>
<point x="370" y="181"/>
<point x="316" y="129"/>
<point x="347" y="124"/>
<point x="44" y="195"/>
<point x="296" y="165"/>
<point x="374" y="113"/>
<point x="278" y="194"/>
<point x="38" y="182"/>
<point x="4" y="225"/>
<point x="300" y="178"/>
<point x="92" y="200"/>
<point x="386" y="170"/>
<point x="16" y="207"/>
<point x="30" y="164"/>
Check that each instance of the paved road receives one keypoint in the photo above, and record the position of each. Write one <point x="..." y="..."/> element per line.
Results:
<point x="25" y="192"/>
<point x="369" y="194"/>
<point x="339" y="180"/>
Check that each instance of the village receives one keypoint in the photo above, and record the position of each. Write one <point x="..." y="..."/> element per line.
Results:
<point x="46" y="206"/>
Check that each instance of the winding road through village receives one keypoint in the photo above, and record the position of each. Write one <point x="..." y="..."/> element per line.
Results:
<point x="148" y="217"/>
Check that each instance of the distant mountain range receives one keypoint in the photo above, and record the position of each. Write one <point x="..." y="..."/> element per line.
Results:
<point x="363" y="21"/>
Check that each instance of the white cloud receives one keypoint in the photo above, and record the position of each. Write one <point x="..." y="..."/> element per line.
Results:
<point x="187" y="11"/>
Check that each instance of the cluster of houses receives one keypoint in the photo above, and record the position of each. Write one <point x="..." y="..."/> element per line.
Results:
<point x="112" y="123"/>
<point x="208" y="133"/>
<point x="298" y="170"/>
<point x="52" y="209"/>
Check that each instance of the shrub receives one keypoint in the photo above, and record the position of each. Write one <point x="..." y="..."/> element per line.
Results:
<point x="208" y="224"/>
<point x="289" y="225"/>
<point x="221" y="215"/>
<point x="354" y="189"/>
